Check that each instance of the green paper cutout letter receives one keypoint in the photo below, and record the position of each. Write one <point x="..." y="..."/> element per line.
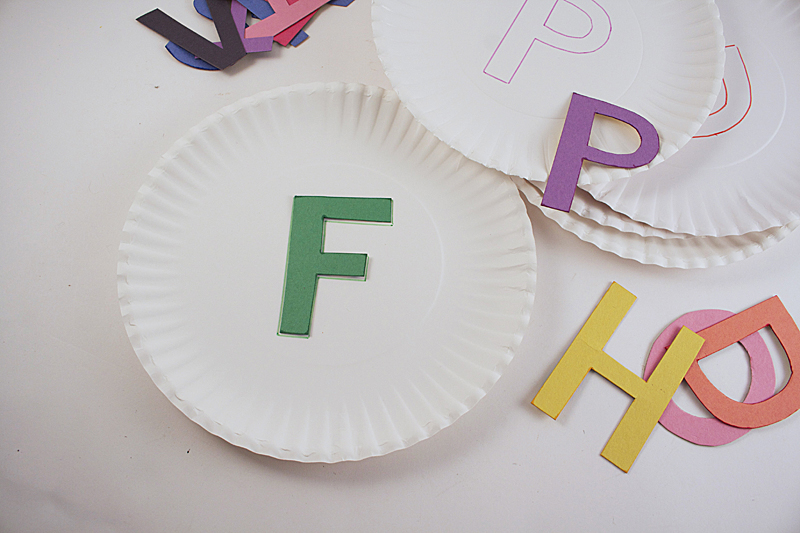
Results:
<point x="306" y="259"/>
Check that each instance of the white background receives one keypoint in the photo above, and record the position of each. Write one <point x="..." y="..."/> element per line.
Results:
<point x="90" y="100"/>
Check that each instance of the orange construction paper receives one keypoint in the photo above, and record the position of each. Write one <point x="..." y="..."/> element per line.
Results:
<point x="771" y="313"/>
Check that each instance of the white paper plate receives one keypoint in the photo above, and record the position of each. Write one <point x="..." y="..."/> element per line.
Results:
<point x="605" y="216"/>
<point x="390" y="361"/>
<point x="663" y="60"/>
<point x="744" y="176"/>
<point x="658" y="247"/>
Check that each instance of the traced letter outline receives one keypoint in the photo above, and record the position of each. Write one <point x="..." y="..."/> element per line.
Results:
<point x="511" y="51"/>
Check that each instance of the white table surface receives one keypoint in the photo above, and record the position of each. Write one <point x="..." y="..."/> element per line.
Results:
<point x="90" y="101"/>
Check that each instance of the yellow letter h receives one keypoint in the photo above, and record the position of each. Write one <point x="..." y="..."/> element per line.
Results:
<point x="651" y="397"/>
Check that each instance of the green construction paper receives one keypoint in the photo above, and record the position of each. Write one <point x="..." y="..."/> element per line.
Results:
<point x="306" y="259"/>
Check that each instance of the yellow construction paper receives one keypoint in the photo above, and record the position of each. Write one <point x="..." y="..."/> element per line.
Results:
<point x="651" y="397"/>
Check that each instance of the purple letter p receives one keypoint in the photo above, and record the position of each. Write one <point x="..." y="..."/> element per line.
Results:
<point x="573" y="148"/>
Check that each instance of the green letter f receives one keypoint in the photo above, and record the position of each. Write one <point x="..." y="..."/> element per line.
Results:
<point x="306" y="259"/>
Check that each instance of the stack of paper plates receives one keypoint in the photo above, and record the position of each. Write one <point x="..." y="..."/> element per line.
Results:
<point x="495" y="84"/>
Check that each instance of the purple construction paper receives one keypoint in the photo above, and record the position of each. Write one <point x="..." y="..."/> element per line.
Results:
<point x="251" y="44"/>
<point x="573" y="148"/>
<point x="260" y="9"/>
<point x="239" y="12"/>
<point x="221" y="57"/>
<point x="257" y="44"/>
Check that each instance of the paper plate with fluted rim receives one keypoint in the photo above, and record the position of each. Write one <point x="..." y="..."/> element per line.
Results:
<point x="742" y="172"/>
<point x="630" y="239"/>
<point x="494" y="80"/>
<point x="388" y="361"/>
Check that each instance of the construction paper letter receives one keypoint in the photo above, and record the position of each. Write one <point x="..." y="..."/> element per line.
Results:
<point x="711" y="431"/>
<point x="254" y="44"/>
<point x="573" y="148"/>
<point x="307" y="260"/>
<point x="288" y="35"/>
<point x="232" y="48"/>
<point x="771" y="313"/>
<point x="299" y="38"/>
<point x="292" y="35"/>
<point x="586" y="28"/>
<point x="259" y="8"/>
<point x="239" y="13"/>
<point x="651" y="397"/>
<point x="286" y="14"/>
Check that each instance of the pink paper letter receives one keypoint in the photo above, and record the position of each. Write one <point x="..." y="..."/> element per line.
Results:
<point x="285" y="15"/>
<point x="710" y="431"/>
